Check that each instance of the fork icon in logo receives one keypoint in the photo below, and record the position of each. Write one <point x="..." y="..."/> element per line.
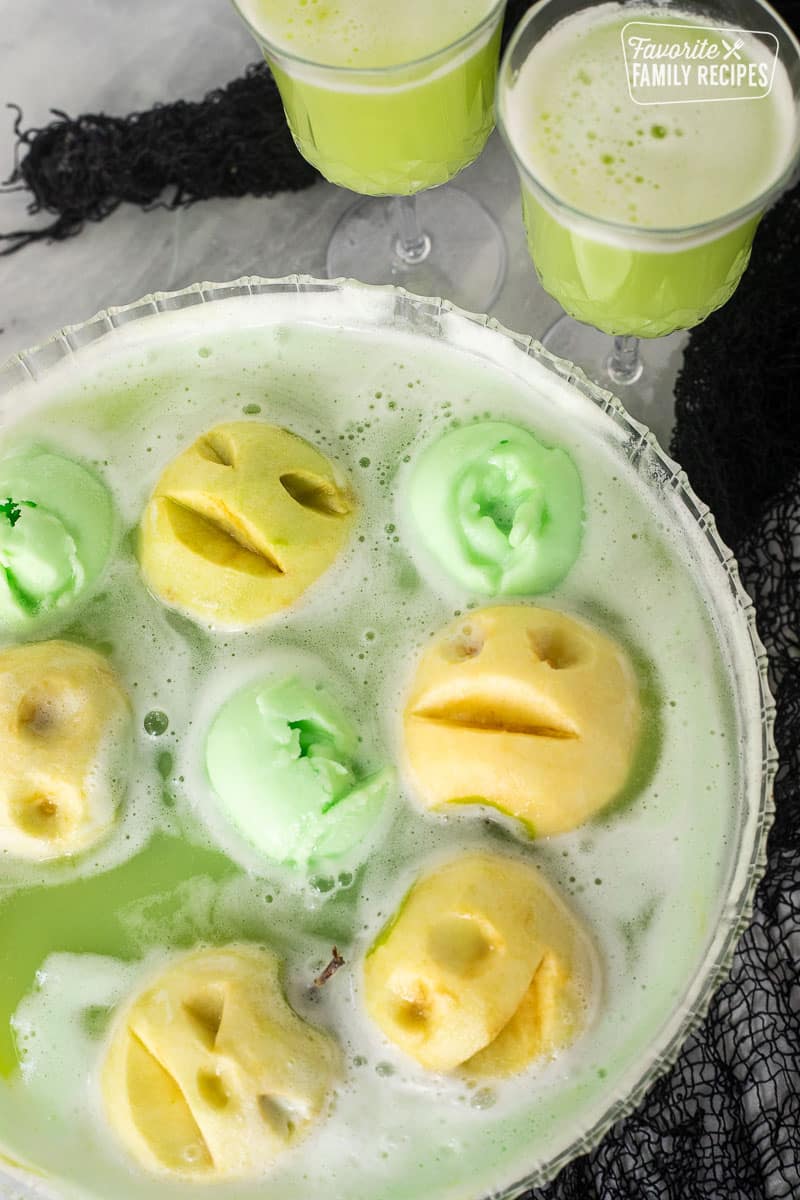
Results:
<point x="733" y="49"/>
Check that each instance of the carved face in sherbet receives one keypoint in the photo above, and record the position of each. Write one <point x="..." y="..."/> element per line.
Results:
<point x="281" y="756"/>
<point x="482" y="968"/>
<point x="526" y="710"/>
<point x="500" y="512"/>
<point x="241" y="523"/>
<point x="64" y="742"/>
<point x="210" y="1073"/>
<point x="57" y="526"/>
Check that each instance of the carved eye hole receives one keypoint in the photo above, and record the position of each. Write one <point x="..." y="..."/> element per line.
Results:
<point x="280" y="1114"/>
<point x="215" y="447"/>
<point x="205" y="1014"/>
<point x="45" y="709"/>
<point x="40" y="815"/>
<point x="37" y="714"/>
<point x="211" y="1088"/>
<point x="555" y="649"/>
<point x="414" y="1008"/>
<point x="313" y="492"/>
<point x="466" y="643"/>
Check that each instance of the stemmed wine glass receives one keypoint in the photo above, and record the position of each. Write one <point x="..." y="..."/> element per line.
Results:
<point x="640" y="216"/>
<point x="393" y="118"/>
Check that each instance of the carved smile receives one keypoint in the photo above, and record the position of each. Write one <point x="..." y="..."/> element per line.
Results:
<point x="484" y="714"/>
<point x="207" y="527"/>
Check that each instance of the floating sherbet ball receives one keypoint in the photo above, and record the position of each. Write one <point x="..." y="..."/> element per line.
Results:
<point x="241" y="523"/>
<point x="526" y="710"/>
<point x="56" y="532"/>
<point x="210" y="1073"/>
<point x="64" y="744"/>
<point x="500" y="512"/>
<point x="481" y="968"/>
<point x="281" y="756"/>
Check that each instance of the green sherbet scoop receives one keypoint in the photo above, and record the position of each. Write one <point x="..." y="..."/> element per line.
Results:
<point x="56" y="533"/>
<point x="500" y="512"/>
<point x="281" y="758"/>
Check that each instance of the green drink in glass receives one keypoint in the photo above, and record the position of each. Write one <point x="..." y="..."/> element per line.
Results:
<point x="392" y="100"/>
<point x="641" y="202"/>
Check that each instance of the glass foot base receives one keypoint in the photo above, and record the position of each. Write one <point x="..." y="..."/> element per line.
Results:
<point x="650" y="398"/>
<point x="464" y="255"/>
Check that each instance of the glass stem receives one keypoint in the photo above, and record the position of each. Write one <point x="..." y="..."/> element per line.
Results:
<point x="624" y="363"/>
<point x="411" y="245"/>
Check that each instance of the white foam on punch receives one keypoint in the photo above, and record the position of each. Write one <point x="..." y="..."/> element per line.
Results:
<point x="340" y="369"/>
<point x="724" y="156"/>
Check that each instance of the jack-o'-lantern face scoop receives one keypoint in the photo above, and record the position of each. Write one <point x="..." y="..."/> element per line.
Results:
<point x="242" y="523"/>
<point x="210" y="1074"/>
<point x="64" y="749"/>
<point x="525" y="710"/>
<point x="481" y="968"/>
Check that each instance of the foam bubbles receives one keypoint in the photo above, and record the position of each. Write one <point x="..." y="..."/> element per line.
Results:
<point x="364" y="33"/>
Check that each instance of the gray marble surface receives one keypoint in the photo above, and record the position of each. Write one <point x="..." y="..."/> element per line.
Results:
<point x="111" y="56"/>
